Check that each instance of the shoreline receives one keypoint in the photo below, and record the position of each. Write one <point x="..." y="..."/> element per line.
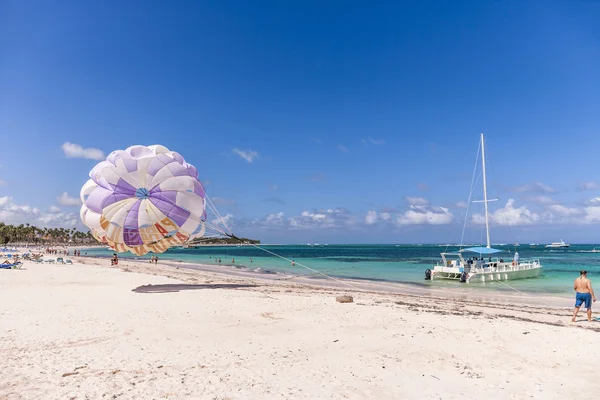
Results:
<point x="367" y="284"/>
<point x="340" y="283"/>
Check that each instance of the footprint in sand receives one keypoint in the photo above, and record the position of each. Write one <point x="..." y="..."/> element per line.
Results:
<point x="269" y="315"/>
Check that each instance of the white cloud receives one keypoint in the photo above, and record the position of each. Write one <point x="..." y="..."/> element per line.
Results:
<point x="316" y="219"/>
<point x="416" y="201"/>
<point x="555" y="213"/>
<point x="423" y="186"/>
<point x="592" y="215"/>
<point x="461" y="204"/>
<point x="54" y="209"/>
<point x="275" y="219"/>
<point x="248" y="155"/>
<point x="425" y="215"/>
<point x="2" y="183"/>
<point x="563" y="211"/>
<point x="73" y="150"/>
<point x="589" y="186"/>
<point x="59" y="220"/>
<point x="65" y="200"/>
<point x="535" y="187"/>
<point x="324" y="218"/>
<point x="220" y="224"/>
<point x="371" y="217"/>
<point x="12" y="213"/>
<point x="510" y="215"/>
<point x="342" y="148"/>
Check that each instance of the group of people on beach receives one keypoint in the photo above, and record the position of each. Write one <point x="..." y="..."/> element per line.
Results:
<point x="154" y="260"/>
<point x="67" y="252"/>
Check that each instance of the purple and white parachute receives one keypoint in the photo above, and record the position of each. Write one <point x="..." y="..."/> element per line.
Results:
<point x="142" y="199"/>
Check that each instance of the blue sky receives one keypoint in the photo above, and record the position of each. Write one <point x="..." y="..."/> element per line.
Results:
<point x="311" y="121"/>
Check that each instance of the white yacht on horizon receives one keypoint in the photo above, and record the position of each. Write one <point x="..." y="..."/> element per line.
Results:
<point x="477" y="269"/>
<point x="558" y="245"/>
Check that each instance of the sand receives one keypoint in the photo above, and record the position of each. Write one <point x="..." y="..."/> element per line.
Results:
<point x="90" y="331"/>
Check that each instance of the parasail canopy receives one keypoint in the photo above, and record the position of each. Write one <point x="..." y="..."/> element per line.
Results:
<point x="144" y="199"/>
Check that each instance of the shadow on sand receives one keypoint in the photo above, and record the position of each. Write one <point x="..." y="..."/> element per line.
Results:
<point x="177" y="287"/>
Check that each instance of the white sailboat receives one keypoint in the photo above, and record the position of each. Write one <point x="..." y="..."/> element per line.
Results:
<point x="477" y="269"/>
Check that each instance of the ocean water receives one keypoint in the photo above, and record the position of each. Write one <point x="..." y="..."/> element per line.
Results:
<point x="395" y="263"/>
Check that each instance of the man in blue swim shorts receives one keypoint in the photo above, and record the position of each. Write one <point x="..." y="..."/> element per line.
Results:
<point x="585" y="294"/>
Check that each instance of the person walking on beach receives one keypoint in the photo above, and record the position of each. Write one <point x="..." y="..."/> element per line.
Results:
<point x="585" y="294"/>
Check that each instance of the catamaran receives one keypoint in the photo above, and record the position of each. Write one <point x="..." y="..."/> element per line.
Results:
<point x="477" y="269"/>
<point x="558" y="245"/>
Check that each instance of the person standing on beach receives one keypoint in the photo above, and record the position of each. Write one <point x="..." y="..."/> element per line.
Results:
<point x="585" y="293"/>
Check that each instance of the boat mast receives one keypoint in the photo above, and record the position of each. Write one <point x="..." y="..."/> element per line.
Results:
<point x="485" y="199"/>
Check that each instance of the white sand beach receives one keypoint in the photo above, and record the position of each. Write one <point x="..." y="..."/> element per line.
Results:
<point x="136" y="331"/>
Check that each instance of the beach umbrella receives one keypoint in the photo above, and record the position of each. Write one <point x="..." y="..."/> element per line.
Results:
<point x="144" y="199"/>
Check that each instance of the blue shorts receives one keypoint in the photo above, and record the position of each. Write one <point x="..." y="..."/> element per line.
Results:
<point x="583" y="297"/>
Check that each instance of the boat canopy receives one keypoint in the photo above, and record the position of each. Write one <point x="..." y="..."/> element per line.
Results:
<point x="482" y="250"/>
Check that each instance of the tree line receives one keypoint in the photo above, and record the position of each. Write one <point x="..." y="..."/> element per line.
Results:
<point x="222" y="240"/>
<point x="26" y="233"/>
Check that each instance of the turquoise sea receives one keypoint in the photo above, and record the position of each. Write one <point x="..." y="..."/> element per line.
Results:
<point x="396" y="263"/>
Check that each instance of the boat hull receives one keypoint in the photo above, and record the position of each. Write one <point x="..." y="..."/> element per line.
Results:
<point x="483" y="277"/>
<point x="506" y="272"/>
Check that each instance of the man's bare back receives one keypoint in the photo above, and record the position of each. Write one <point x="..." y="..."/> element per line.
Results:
<point x="582" y="285"/>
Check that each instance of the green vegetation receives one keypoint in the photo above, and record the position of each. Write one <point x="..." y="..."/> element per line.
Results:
<point x="26" y="233"/>
<point x="222" y="240"/>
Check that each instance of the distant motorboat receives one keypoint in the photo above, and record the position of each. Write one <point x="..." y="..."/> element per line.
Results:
<point x="558" y="245"/>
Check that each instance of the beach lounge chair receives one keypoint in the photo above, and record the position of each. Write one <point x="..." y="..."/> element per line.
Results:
<point x="60" y="260"/>
<point x="68" y="262"/>
<point x="16" y="265"/>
